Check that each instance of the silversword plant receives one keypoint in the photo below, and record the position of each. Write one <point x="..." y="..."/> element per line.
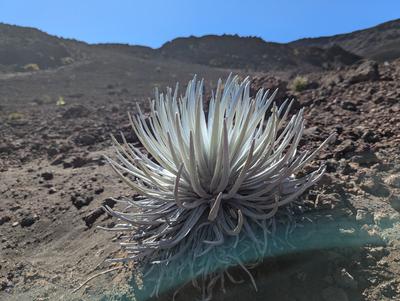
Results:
<point x="214" y="180"/>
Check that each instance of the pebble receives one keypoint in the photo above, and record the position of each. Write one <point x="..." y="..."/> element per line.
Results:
<point x="4" y="219"/>
<point x="47" y="176"/>
<point x="27" y="221"/>
<point x="363" y="216"/>
<point x="91" y="218"/>
<point x="378" y="252"/>
<point x="375" y="187"/>
<point x="80" y="201"/>
<point x="344" y="279"/>
<point x="394" y="201"/>
<point x="52" y="190"/>
<point x="393" y="180"/>
<point x="347" y="232"/>
<point x="382" y="219"/>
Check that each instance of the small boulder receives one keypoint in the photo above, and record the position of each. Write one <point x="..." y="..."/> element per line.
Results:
<point x="47" y="176"/>
<point x="79" y="201"/>
<point x="393" y="180"/>
<point x="27" y="221"/>
<point x="91" y="218"/>
<point x="85" y="139"/>
<point x="4" y="219"/>
<point x="76" y="111"/>
<point x="344" y="279"/>
<point x="367" y="71"/>
<point x="374" y="186"/>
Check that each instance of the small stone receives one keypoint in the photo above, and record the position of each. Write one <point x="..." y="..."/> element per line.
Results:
<point x="47" y="176"/>
<point x="344" y="279"/>
<point x="365" y="157"/>
<point x="331" y="165"/>
<point x="394" y="201"/>
<point x="52" y="190"/>
<point x="334" y="294"/>
<point x="14" y="224"/>
<point x="52" y="151"/>
<point x="93" y="216"/>
<point x="4" y="219"/>
<point x="99" y="190"/>
<point x="79" y="201"/>
<point x="76" y="112"/>
<point x="375" y="187"/>
<point x="382" y="219"/>
<point x="348" y="105"/>
<point x="393" y="180"/>
<point x="58" y="160"/>
<point x="366" y="71"/>
<point x="27" y="221"/>
<point x="347" y="232"/>
<point x="56" y="278"/>
<point x="378" y="252"/>
<point x="326" y="201"/>
<point x="372" y="232"/>
<point x="76" y="162"/>
<point x="345" y="149"/>
<point x="85" y="139"/>
<point x="109" y="202"/>
<point x="364" y="216"/>
<point x="370" y="136"/>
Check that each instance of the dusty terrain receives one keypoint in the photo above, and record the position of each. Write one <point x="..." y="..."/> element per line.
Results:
<point x="55" y="126"/>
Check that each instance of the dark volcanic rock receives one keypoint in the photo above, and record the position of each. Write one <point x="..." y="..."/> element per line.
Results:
<point x="345" y="149"/>
<point x="93" y="216"/>
<point x="75" y="162"/>
<point x="79" y="201"/>
<point x="109" y="202"/>
<point x="374" y="186"/>
<point x="128" y="133"/>
<point x="76" y="111"/>
<point x="4" y="219"/>
<point x="367" y="71"/>
<point x="47" y="176"/>
<point x="4" y="148"/>
<point x="85" y="139"/>
<point x="27" y="221"/>
<point x="348" y="105"/>
<point x="366" y="156"/>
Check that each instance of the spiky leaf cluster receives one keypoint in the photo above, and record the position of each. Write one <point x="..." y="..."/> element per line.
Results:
<point x="213" y="179"/>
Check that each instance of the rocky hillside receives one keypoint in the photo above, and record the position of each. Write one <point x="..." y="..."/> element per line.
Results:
<point x="54" y="181"/>
<point x="29" y="49"/>
<point x="381" y="42"/>
<point x="254" y="54"/>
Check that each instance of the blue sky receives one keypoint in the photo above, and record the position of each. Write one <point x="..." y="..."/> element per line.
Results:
<point x="154" y="22"/>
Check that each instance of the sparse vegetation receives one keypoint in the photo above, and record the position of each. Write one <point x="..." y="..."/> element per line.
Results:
<point x="67" y="60"/>
<point x="15" y="116"/>
<point x="31" y="67"/>
<point x="299" y="83"/>
<point x="60" y="101"/>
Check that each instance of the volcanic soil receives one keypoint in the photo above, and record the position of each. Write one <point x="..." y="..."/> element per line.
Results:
<point x="55" y="126"/>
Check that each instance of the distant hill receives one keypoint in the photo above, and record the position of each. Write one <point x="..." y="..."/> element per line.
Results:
<point x="23" y="47"/>
<point x="232" y="51"/>
<point x="29" y="49"/>
<point x="381" y="42"/>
